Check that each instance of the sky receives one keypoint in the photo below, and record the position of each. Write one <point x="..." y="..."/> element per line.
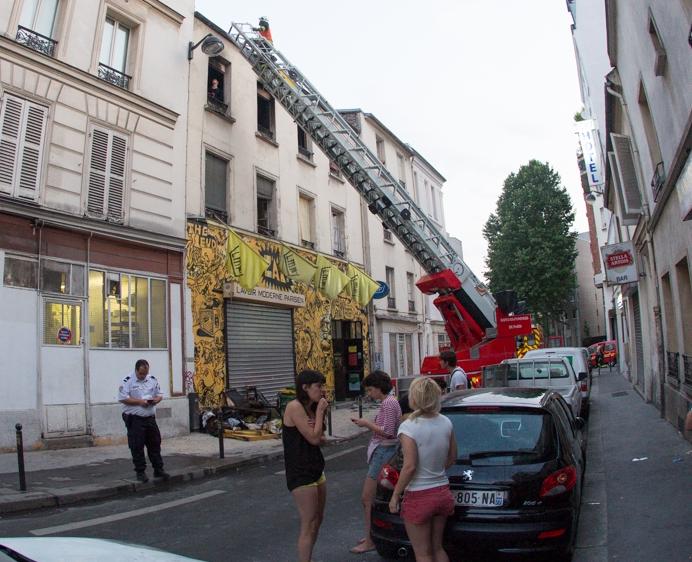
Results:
<point x="478" y="87"/>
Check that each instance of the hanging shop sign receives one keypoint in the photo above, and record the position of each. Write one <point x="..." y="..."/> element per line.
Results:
<point x="619" y="263"/>
<point x="586" y="133"/>
<point x="382" y="290"/>
<point x="234" y="291"/>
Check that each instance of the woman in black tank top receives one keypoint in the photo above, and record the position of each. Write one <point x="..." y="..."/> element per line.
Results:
<point x="302" y="435"/>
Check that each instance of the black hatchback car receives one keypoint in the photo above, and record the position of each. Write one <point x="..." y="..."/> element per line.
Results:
<point x="516" y="482"/>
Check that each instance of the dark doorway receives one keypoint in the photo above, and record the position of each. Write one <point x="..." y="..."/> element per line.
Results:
<point x="347" y="344"/>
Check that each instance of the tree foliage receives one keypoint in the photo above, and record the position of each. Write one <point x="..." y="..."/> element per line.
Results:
<point x="530" y="246"/>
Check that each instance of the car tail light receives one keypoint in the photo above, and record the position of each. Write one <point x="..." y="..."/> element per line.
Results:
<point x="551" y="534"/>
<point x="559" y="482"/>
<point x="584" y="387"/>
<point x="475" y="381"/>
<point x="482" y="409"/>
<point x="382" y="524"/>
<point x="389" y="476"/>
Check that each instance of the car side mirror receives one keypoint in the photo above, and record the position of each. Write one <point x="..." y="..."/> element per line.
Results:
<point x="580" y="423"/>
<point x="582" y="376"/>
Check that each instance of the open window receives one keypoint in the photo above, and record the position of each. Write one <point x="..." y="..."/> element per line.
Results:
<point x="660" y="59"/>
<point x="306" y="221"/>
<point x="266" y="212"/>
<point x="114" y="55"/>
<point x="218" y="85"/>
<point x="265" y="113"/>
<point x="338" y="233"/>
<point x="304" y="143"/>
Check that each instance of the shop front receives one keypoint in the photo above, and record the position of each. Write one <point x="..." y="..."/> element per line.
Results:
<point x="263" y="335"/>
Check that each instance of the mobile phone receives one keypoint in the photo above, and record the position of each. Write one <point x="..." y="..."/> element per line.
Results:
<point x="151" y="402"/>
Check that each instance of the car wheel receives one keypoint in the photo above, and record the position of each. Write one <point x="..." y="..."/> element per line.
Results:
<point x="388" y="552"/>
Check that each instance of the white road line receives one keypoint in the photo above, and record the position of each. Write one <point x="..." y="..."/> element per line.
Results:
<point x="335" y="455"/>
<point x="125" y="515"/>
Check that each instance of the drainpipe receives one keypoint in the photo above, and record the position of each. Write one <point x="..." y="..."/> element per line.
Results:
<point x="85" y="344"/>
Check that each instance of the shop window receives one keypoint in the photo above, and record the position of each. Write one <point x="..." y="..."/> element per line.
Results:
<point x="63" y="278"/>
<point x="20" y="272"/>
<point x="216" y="187"/>
<point x="113" y="59"/>
<point x="37" y="25"/>
<point x="265" y="113"/>
<point x="107" y="169"/>
<point x="127" y="311"/>
<point x="62" y="323"/>
<point x="22" y="131"/>
<point x="338" y="233"/>
<point x="218" y="85"/>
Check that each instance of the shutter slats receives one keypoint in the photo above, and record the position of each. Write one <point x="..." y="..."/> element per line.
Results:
<point x="116" y="184"/>
<point x="98" y="162"/>
<point x="631" y="198"/>
<point x="259" y="347"/>
<point x="31" y="152"/>
<point x="107" y="168"/>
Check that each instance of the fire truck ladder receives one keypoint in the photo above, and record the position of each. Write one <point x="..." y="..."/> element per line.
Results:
<point x="385" y="196"/>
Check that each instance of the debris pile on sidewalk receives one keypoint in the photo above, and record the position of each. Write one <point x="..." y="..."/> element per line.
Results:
<point x="247" y="416"/>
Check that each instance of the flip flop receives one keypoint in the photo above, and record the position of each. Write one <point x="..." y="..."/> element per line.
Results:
<point x="361" y="550"/>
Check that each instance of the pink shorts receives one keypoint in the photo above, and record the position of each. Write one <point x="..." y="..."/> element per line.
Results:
<point x="419" y="506"/>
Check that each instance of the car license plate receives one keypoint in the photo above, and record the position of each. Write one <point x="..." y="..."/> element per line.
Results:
<point x="480" y="498"/>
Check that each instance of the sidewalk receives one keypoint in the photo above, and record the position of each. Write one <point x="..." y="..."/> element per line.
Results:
<point x="636" y="499"/>
<point x="63" y="477"/>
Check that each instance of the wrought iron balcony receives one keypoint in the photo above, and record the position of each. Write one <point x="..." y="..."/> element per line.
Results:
<point x="672" y="369"/>
<point x="216" y="105"/>
<point x="113" y="76"/>
<point x="658" y="180"/>
<point x="266" y="231"/>
<point x="308" y="244"/>
<point x="36" y="41"/>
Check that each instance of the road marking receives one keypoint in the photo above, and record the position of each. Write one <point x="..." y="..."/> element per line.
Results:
<point x="125" y="515"/>
<point x="335" y="455"/>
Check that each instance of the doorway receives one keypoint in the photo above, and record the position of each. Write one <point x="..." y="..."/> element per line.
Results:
<point x="349" y="364"/>
<point x="62" y="367"/>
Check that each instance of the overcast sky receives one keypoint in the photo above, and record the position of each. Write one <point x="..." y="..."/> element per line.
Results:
<point x="478" y="87"/>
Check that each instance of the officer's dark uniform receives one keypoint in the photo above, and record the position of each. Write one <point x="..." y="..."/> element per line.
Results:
<point x="140" y="421"/>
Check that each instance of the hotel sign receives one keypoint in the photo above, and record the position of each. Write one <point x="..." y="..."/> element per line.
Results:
<point x="263" y="295"/>
<point x="589" y="148"/>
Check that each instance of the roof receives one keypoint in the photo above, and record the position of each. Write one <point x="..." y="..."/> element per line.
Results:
<point x="525" y="397"/>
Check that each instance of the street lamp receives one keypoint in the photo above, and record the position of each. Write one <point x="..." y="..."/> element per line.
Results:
<point x="211" y="46"/>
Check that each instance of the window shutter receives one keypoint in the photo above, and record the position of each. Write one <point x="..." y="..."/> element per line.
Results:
<point x="107" y="168"/>
<point x="631" y="198"/>
<point x="10" y="122"/>
<point x="31" y="151"/>
<point x="116" y="183"/>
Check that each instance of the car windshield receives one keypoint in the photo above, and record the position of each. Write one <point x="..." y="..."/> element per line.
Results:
<point x="503" y="436"/>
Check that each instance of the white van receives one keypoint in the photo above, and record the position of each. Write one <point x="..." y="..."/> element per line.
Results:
<point x="579" y="359"/>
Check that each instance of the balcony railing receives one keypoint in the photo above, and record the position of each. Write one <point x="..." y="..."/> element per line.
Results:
<point x="339" y="253"/>
<point x="36" y="41"/>
<point x="113" y="76"/>
<point x="216" y="105"/>
<point x="687" y="369"/>
<point x="658" y="180"/>
<point x="308" y="244"/>
<point x="672" y="368"/>
<point x="266" y="231"/>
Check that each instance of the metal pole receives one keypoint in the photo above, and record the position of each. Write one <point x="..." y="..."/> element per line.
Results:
<point x="360" y="406"/>
<point x="329" y="420"/>
<point x="219" y="425"/>
<point x="20" y="457"/>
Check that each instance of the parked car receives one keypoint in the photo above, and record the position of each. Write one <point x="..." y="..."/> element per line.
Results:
<point x="78" y="549"/>
<point x="579" y="359"/>
<point x="517" y="480"/>
<point x="554" y="372"/>
<point x="610" y="353"/>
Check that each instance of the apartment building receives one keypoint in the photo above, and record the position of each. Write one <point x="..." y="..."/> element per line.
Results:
<point x="92" y="216"/>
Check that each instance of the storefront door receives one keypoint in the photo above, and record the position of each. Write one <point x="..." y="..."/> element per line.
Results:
<point x="62" y="367"/>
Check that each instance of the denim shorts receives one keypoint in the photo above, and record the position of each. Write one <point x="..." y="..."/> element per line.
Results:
<point x="378" y="459"/>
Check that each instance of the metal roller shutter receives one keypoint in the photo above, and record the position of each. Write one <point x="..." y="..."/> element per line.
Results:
<point x="259" y="347"/>
<point x="638" y="342"/>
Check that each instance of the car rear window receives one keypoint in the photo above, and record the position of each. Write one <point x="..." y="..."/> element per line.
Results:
<point x="609" y="347"/>
<point x="503" y="436"/>
<point x="543" y="370"/>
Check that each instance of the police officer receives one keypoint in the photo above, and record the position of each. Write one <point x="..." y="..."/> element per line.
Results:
<point x="139" y="393"/>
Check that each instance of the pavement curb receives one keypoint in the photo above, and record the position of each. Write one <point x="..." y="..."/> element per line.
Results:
<point x="59" y="497"/>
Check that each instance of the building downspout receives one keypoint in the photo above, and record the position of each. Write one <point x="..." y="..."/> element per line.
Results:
<point x="85" y="343"/>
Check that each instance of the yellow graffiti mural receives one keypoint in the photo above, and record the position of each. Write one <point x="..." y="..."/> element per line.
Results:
<point x="206" y="274"/>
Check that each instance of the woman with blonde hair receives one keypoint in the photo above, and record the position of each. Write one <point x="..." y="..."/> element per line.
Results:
<point x="429" y="448"/>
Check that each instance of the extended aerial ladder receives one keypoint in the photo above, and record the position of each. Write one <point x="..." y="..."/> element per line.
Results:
<point x="470" y="311"/>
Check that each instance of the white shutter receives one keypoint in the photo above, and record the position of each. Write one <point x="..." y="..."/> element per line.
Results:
<point x="116" y="181"/>
<point x="107" y="168"/>
<point x="10" y="127"/>
<point x="631" y="198"/>
<point x="98" y="161"/>
<point x="31" y="151"/>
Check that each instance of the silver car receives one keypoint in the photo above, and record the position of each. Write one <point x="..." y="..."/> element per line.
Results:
<point x="579" y="359"/>
<point x="555" y="373"/>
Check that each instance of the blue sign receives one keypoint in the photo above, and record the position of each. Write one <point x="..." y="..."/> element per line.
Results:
<point x="382" y="291"/>
<point x="65" y="335"/>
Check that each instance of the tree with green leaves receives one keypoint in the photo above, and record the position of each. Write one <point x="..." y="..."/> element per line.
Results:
<point x="530" y="246"/>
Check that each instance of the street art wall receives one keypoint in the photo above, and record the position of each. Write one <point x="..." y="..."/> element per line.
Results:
<point x="206" y="274"/>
